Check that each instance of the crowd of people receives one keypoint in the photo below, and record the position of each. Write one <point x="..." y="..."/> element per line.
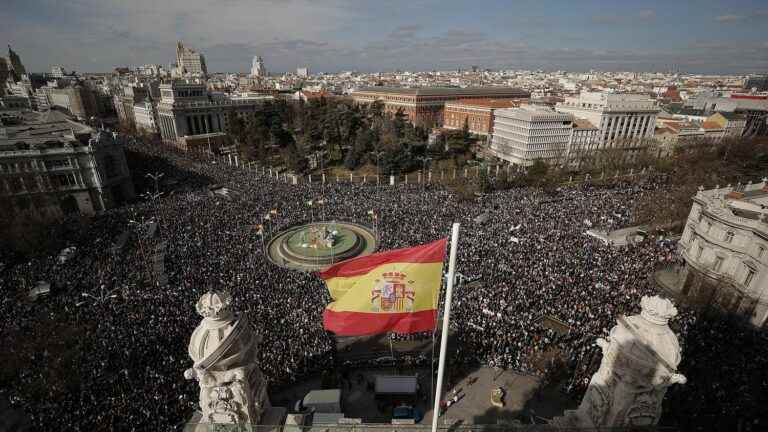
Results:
<point x="107" y="350"/>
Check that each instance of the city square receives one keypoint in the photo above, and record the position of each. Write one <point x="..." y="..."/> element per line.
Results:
<point x="332" y="216"/>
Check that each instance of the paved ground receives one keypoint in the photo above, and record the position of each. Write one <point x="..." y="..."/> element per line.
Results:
<point x="619" y="237"/>
<point x="524" y="400"/>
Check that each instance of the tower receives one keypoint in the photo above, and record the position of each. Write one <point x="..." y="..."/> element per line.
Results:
<point x="257" y="68"/>
<point x="224" y="351"/>
<point x="17" y="68"/>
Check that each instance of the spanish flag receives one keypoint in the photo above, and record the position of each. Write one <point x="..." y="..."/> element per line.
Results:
<point x="393" y="291"/>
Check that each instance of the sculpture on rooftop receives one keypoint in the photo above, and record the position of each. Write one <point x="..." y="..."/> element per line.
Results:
<point x="224" y="350"/>
<point x="640" y="359"/>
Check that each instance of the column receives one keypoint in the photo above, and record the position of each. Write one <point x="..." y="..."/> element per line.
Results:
<point x="206" y="126"/>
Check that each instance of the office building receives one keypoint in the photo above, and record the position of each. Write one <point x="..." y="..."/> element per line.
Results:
<point x="624" y="120"/>
<point x="58" y="72"/>
<point x="186" y="113"/>
<point x="303" y="72"/>
<point x="189" y="62"/>
<point x="725" y="248"/>
<point x="51" y="165"/>
<point x="425" y="106"/>
<point x="476" y="113"/>
<point x="77" y="99"/>
<point x="145" y="117"/>
<point x="757" y="83"/>
<point x="523" y="135"/>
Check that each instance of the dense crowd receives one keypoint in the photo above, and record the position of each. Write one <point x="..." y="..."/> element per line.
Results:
<point x="113" y="359"/>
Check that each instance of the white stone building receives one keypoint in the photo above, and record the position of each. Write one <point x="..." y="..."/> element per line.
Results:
<point x="51" y="166"/>
<point x="145" y="117"/>
<point x="187" y="112"/>
<point x="725" y="247"/>
<point x="622" y="119"/>
<point x="522" y="135"/>
<point x="189" y="62"/>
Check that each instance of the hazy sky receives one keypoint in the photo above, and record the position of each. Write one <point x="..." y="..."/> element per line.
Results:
<point x="729" y="36"/>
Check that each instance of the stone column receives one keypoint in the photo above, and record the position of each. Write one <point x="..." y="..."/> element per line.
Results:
<point x="640" y="359"/>
<point x="224" y="351"/>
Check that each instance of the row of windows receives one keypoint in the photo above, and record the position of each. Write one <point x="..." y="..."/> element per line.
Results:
<point x="750" y="274"/>
<point x="29" y="166"/>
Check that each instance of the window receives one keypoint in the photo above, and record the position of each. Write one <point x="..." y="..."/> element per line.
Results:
<point x="749" y="277"/>
<point x="729" y="237"/>
<point x="709" y="228"/>
<point x="717" y="264"/>
<point x="760" y="251"/>
<point x="699" y="252"/>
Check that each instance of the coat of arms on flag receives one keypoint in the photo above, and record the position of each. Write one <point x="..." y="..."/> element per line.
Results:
<point x="392" y="294"/>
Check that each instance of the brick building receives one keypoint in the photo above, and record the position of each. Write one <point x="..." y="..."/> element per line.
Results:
<point x="425" y="106"/>
<point x="477" y="113"/>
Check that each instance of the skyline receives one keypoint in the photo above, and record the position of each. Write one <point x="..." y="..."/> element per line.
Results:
<point x="337" y="35"/>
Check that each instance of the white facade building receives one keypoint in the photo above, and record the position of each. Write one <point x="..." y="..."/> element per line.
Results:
<point x="189" y="62"/>
<point x="51" y="166"/>
<point x="187" y="111"/>
<point x="725" y="247"/>
<point x="145" y="117"/>
<point x="302" y="72"/>
<point x="522" y="135"/>
<point x="58" y="72"/>
<point x="622" y="119"/>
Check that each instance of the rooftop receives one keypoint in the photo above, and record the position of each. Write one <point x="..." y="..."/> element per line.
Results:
<point x="50" y="128"/>
<point x="444" y="91"/>
<point x="581" y="123"/>
<point x="487" y="103"/>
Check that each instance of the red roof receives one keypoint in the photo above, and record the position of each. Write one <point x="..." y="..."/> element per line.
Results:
<point x="746" y="96"/>
<point x="487" y="103"/>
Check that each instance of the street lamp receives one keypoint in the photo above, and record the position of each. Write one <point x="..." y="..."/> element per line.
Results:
<point x="99" y="299"/>
<point x="424" y="160"/>
<point x="156" y="177"/>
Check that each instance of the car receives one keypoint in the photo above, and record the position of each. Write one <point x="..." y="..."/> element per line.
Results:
<point x="407" y="412"/>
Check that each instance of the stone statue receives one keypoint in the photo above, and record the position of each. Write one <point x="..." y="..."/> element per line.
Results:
<point x="640" y="359"/>
<point x="223" y="349"/>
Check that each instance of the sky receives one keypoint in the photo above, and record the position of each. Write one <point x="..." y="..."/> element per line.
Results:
<point x="697" y="36"/>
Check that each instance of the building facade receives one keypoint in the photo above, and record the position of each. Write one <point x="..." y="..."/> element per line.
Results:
<point x="523" y="135"/>
<point x="425" y="106"/>
<point x="187" y="110"/>
<point x="190" y="62"/>
<point x="725" y="247"/>
<point x="145" y="117"/>
<point x="476" y="113"/>
<point x="77" y="99"/>
<point x="624" y="120"/>
<point x="733" y="124"/>
<point x="51" y="166"/>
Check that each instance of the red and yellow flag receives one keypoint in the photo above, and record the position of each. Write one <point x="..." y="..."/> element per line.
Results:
<point x="393" y="291"/>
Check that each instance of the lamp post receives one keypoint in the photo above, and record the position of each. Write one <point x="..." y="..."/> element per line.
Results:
<point x="99" y="299"/>
<point x="156" y="177"/>
<point x="424" y="160"/>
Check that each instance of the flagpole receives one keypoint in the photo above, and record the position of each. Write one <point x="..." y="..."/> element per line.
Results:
<point x="446" y="318"/>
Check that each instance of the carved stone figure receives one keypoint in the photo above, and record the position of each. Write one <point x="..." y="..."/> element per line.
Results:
<point x="640" y="359"/>
<point x="224" y="349"/>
